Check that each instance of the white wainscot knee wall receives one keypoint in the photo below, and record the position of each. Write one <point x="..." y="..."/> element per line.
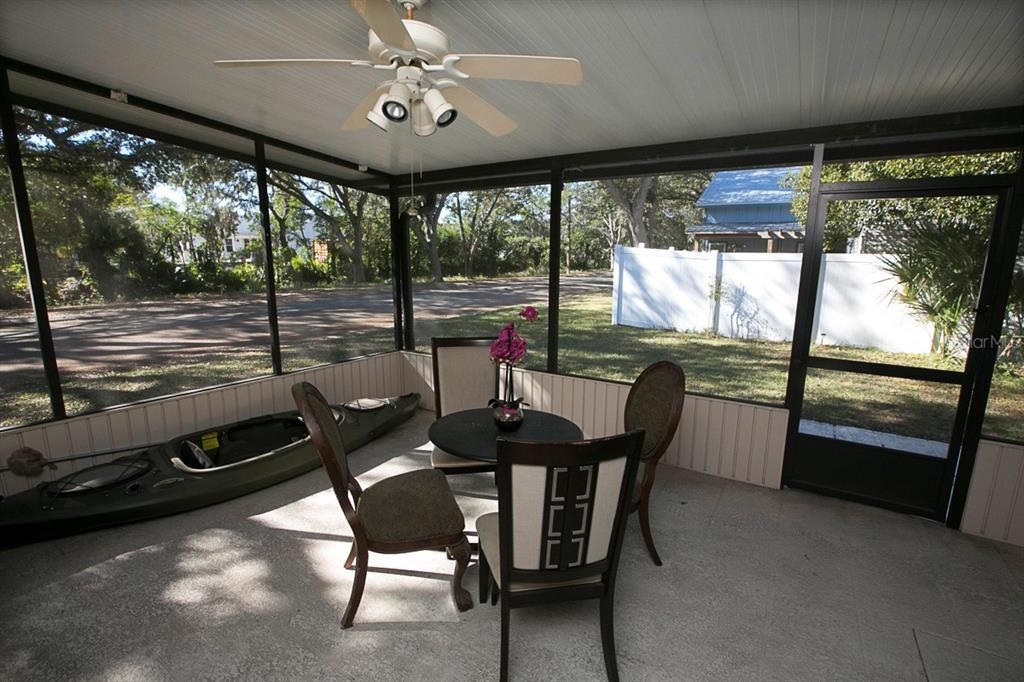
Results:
<point x="995" y="500"/>
<point x="735" y="440"/>
<point x="739" y="441"/>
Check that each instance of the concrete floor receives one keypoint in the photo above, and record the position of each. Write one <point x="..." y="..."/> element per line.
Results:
<point x="757" y="585"/>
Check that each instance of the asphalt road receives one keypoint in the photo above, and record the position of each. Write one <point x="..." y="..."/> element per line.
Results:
<point x="94" y="338"/>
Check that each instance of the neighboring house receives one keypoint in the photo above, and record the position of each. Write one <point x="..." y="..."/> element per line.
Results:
<point x="247" y="234"/>
<point x="748" y="211"/>
<point x="240" y="241"/>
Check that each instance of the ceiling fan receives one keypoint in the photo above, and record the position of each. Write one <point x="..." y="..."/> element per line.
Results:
<point x="427" y="88"/>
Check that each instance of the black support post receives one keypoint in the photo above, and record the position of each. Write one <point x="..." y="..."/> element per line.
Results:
<point x="23" y="216"/>
<point x="993" y="300"/>
<point x="803" y="325"/>
<point x="396" y="263"/>
<point x="268" y="256"/>
<point x="408" y="318"/>
<point x="554" y="266"/>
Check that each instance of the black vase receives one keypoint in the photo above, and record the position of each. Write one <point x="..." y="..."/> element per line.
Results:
<point x="507" y="417"/>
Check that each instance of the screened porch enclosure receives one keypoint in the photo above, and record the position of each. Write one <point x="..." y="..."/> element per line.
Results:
<point x="817" y="215"/>
<point x="211" y="254"/>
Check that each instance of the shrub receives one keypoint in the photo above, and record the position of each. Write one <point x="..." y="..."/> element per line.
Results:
<point x="75" y="291"/>
<point x="306" y="271"/>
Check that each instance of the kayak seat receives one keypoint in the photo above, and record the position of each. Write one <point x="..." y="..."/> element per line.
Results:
<point x="404" y="513"/>
<point x="203" y="460"/>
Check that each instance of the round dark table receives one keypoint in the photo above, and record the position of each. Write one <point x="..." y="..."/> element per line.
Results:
<point x="473" y="435"/>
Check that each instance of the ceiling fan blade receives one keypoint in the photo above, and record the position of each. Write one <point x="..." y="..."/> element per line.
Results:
<point x="510" y="67"/>
<point x="290" y="62"/>
<point x="380" y="16"/>
<point x="357" y="119"/>
<point x="479" y="111"/>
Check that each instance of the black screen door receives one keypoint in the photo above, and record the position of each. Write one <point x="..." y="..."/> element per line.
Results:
<point x="881" y="375"/>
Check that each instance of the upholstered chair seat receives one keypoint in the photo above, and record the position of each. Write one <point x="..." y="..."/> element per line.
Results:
<point x="410" y="507"/>
<point x="445" y="461"/>
<point x="490" y="544"/>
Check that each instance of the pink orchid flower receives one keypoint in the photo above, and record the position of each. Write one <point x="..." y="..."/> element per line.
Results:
<point x="509" y="347"/>
<point x="529" y="313"/>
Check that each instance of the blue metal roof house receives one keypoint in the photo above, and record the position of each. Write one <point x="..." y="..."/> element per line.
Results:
<point x="749" y="211"/>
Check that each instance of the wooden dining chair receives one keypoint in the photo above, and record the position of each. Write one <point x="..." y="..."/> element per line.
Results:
<point x="562" y="509"/>
<point x="654" y="404"/>
<point x="404" y="513"/>
<point x="464" y="379"/>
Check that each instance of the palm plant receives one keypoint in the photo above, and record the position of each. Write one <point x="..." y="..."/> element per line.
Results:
<point x="938" y="261"/>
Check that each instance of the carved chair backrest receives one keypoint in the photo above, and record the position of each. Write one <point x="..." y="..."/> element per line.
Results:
<point x="562" y="506"/>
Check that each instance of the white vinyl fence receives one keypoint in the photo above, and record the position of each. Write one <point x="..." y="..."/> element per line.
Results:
<point x="753" y="296"/>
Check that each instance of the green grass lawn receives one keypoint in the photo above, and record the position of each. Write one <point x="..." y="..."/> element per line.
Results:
<point x="749" y="370"/>
<point x="24" y="398"/>
<point x="589" y="346"/>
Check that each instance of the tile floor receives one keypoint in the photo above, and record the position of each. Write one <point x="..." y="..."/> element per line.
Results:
<point x="757" y="585"/>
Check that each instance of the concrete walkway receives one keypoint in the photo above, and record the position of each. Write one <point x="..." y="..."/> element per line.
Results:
<point x="757" y="585"/>
<point x="893" y="441"/>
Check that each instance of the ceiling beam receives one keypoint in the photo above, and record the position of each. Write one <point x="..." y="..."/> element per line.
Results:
<point x="173" y="112"/>
<point x="982" y="130"/>
<point x="964" y="131"/>
<point x="180" y="141"/>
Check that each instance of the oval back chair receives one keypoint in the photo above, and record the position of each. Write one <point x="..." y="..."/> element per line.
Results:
<point x="405" y="513"/>
<point x="655" y="404"/>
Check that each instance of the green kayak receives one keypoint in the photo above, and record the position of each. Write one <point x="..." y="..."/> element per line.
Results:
<point x="188" y="472"/>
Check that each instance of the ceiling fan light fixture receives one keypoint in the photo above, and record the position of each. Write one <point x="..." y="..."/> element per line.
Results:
<point x="418" y="54"/>
<point x="422" y="123"/>
<point x="376" y="114"/>
<point x="443" y="113"/>
<point x="396" y="103"/>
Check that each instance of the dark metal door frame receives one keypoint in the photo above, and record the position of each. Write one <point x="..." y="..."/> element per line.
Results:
<point x="954" y="476"/>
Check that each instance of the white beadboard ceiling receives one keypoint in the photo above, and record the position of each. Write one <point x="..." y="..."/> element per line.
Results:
<point x="654" y="70"/>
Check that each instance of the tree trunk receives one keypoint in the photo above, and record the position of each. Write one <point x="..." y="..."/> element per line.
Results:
<point x="568" y="234"/>
<point x="426" y="231"/>
<point x="651" y="213"/>
<point x="436" y="274"/>
<point x="358" y="269"/>
<point x="633" y="206"/>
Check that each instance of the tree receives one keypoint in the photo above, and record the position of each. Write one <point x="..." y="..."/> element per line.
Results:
<point x="632" y="195"/>
<point x="1012" y="352"/>
<point x="473" y="211"/>
<point x="340" y="210"/>
<point x="938" y="266"/>
<point x="848" y="220"/>
<point x="13" y="284"/>
<point x="80" y="176"/>
<point x="425" y="230"/>
<point x="655" y="211"/>
<point x="674" y="208"/>
<point x="597" y="223"/>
